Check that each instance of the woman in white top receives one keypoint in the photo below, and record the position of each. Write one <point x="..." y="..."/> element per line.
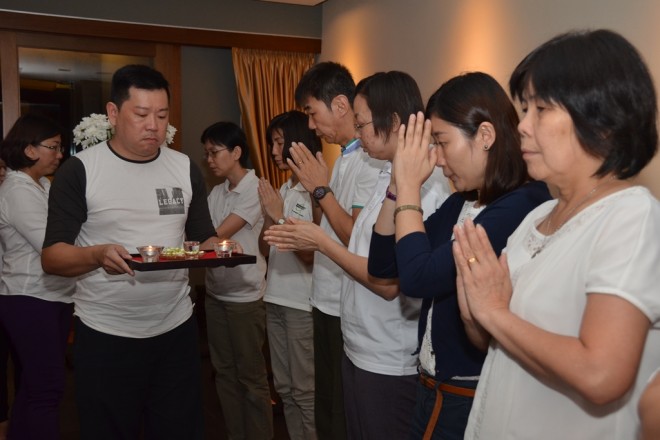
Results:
<point x="288" y="308"/>
<point x="379" y="326"/>
<point x="35" y="308"/>
<point x="573" y="305"/>
<point x="235" y="311"/>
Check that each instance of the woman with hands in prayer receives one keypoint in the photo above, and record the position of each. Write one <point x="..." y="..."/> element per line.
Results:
<point x="379" y="366"/>
<point x="572" y="305"/>
<point x="289" y="281"/>
<point x="473" y="139"/>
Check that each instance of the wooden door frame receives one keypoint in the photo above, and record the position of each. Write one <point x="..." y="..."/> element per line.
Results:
<point x="162" y="43"/>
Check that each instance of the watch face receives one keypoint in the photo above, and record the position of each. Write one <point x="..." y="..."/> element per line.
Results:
<point x="319" y="192"/>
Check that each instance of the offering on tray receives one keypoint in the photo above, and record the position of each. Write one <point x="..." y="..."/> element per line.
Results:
<point x="173" y="253"/>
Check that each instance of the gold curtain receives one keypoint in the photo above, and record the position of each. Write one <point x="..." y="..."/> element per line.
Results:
<point x="266" y="82"/>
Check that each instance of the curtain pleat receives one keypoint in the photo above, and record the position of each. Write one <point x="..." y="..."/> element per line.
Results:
<point x="266" y="83"/>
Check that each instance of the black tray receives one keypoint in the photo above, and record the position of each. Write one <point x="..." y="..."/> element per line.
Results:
<point x="209" y="259"/>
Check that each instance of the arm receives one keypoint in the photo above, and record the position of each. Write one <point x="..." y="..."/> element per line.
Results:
<point x="67" y="211"/>
<point x="600" y="363"/>
<point x="313" y="172"/>
<point x="413" y="163"/>
<point x="229" y="226"/>
<point x="70" y="261"/>
<point x="273" y="206"/>
<point x="301" y="235"/>
<point x="27" y="213"/>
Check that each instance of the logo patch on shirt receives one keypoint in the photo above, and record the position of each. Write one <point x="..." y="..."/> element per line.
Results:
<point x="169" y="204"/>
<point x="299" y="210"/>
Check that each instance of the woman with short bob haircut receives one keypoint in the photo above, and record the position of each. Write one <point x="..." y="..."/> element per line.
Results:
<point x="235" y="311"/>
<point x="573" y="307"/>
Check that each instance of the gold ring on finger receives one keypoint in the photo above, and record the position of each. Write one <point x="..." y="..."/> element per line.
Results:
<point x="472" y="260"/>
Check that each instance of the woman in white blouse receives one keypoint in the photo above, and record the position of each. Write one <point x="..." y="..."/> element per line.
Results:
<point x="35" y="308"/>
<point x="572" y="306"/>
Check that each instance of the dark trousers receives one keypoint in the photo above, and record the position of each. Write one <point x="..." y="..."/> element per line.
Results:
<point x="453" y="415"/>
<point x="125" y="386"/>
<point x="329" y="399"/>
<point x="37" y="332"/>
<point x="378" y="406"/>
<point x="4" y="361"/>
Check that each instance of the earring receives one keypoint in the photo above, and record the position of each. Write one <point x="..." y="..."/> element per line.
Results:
<point x="486" y="147"/>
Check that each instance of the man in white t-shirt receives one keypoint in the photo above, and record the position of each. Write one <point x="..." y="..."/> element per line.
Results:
<point x="326" y="93"/>
<point x="137" y="366"/>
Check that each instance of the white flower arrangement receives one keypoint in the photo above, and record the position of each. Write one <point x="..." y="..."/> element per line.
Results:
<point x="96" y="128"/>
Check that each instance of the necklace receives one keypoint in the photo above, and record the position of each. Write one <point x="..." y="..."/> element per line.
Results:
<point x="551" y="232"/>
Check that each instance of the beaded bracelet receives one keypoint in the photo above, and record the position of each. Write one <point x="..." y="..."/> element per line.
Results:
<point x="390" y="195"/>
<point x="406" y="208"/>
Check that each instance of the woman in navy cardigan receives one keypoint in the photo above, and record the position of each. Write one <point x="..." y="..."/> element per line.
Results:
<point x="473" y="136"/>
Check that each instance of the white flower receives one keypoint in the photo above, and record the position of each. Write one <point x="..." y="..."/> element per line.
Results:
<point x="169" y="136"/>
<point x="96" y="128"/>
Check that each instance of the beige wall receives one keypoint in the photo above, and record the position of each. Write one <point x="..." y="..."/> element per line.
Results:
<point x="434" y="40"/>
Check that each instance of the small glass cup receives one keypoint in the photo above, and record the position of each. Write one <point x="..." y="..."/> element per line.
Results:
<point x="224" y="248"/>
<point x="150" y="253"/>
<point x="191" y="250"/>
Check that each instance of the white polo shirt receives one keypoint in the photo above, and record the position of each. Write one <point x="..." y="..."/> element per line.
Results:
<point x="243" y="283"/>
<point x="353" y="178"/>
<point x="380" y="336"/>
<point x="289" y="279"/>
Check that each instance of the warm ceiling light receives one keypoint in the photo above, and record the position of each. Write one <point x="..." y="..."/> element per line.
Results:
<point x="297" y="2"/>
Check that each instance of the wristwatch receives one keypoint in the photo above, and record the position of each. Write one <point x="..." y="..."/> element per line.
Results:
<point x="320" y="192"/>
<point x="281" y="221"/>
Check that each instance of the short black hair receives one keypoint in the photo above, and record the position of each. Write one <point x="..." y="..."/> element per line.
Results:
<point x="390" y="95"/>
<point x="29" y="129"/>
<point x="138" y="76"/>
<point x="294" y="129"/>
<point x="605" y="86"/>
<point x="230" y="136"/>
<point x="325" y="81"/>
<point x="468" y="100"/>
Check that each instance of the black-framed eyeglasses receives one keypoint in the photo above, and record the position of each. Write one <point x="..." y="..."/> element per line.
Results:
<point x="212" y="153"/>
<point x="58" y="148"/>
<point x="359" y="127"/>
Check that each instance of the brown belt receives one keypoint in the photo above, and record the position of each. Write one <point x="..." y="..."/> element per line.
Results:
<point x="431" y="383"/>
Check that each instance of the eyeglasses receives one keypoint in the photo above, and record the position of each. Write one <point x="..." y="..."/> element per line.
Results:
<point x="359" y="127"/>
<point x="58" y="148"/>
<point x="212" y="153"/>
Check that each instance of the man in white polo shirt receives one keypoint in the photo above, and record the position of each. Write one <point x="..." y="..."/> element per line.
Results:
<point x="326" y="94"/>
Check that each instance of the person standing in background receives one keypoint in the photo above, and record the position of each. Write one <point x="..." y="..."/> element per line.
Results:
<point x="35" y="308"/>
<point x="326" y="93"/>
<point x="289" y="281"/>
<point x="379" y="326"/>
<point x="235" y="311"/>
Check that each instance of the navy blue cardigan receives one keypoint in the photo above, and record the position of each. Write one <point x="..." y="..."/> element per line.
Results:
<point x="425" y="267"/>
